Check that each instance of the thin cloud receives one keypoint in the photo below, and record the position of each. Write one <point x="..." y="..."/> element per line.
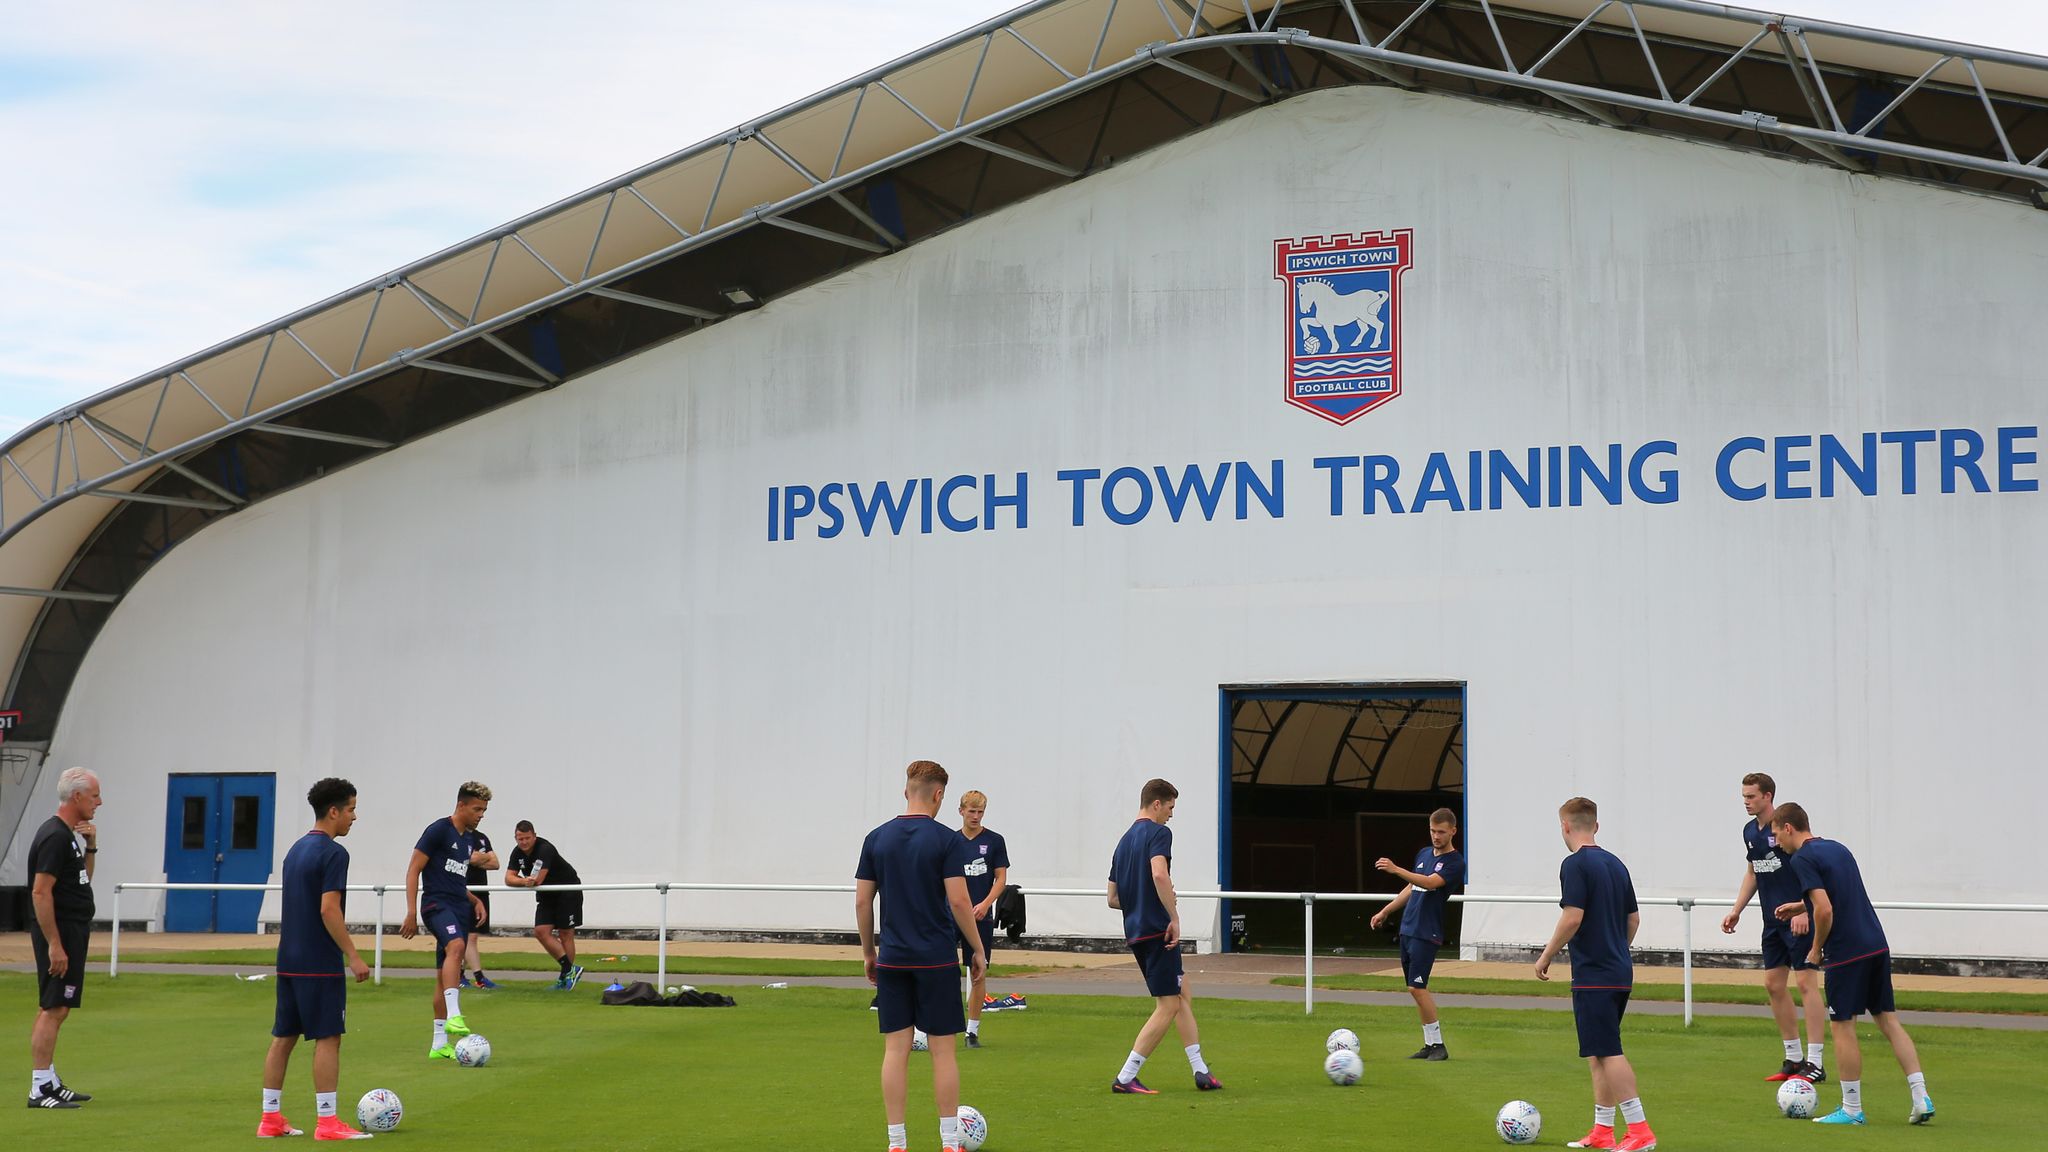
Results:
<point x="182" y="173"/>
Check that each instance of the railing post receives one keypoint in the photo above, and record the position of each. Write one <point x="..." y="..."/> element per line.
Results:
<point x="661" y="947"/>
<point x="1685" y="906"/>
<point x="114" y="954"/>
<point x="379" y="974"/>
<point x="1308" y="953"/>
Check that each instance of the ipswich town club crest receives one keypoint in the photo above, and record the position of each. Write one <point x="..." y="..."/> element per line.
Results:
<point x="1343" y="296"/>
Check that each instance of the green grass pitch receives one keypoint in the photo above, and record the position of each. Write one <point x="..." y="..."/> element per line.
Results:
<point x="176" y="1062"/>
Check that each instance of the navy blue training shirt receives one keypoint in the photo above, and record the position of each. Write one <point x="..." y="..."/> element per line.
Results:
<point x="986" y="853"/>
<point x="1596" y="881"/>
<point x="1130" y="869"/>
<point x="448" y="851"/>
<point x="314" y="866"/>
<point x="910" y="859"/>
<point x="1772" y="867"/>
<point x="1423" y="918"/>
<point x="1856" y="933"/>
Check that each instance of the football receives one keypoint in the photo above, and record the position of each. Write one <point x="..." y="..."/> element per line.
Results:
<point x="473" y="1051"/>
<point x="919" y="1042"/>
<point x="1518" y="1122"/>
<point x="1342" y="1038"/>
<point x="973" y="1128"/>
<point x="1343" y="1067"/>
<point x="379" y="1110"/>
<point x="1797" y="1099"/>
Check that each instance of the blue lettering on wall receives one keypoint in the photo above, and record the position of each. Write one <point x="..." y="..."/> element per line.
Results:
<point x="1793" y="466"/>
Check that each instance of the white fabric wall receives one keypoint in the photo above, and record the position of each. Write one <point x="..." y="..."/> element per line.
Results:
<point x="574" y="599"/>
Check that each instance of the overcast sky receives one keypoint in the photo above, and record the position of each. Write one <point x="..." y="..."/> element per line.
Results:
<point x="178" y="171"/>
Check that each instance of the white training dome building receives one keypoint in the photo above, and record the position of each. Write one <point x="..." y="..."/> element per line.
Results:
<point x="1338" y="423"/>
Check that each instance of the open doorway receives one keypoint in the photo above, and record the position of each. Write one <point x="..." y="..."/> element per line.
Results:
<point x="1320" y="782"/>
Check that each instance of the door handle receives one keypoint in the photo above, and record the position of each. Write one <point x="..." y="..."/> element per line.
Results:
<point x="217" y="857"/>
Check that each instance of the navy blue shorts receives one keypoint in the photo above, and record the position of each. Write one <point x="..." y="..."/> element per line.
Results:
<point x="1859" y="986"/>
<point x="448" y="926"/>
<point x="310" y="1006"/>
<point x="1160" y="964"/>
<point x="1418" y="956"/>
<point x="988" y="943"/>
<point x="927" y="998"/>
<point x="1784" y="950"/>
<point x="1598" y="1013"/>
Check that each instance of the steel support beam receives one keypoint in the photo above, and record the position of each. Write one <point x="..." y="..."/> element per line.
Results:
<point x="58" y="594"/>
<point x="478" y="373"/>
<point x="659" y="305"/>
<point x="317" y="434"/>
<point x="159" y="498"/>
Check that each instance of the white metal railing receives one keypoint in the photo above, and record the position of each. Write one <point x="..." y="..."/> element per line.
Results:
<point x="1308" y="901"/>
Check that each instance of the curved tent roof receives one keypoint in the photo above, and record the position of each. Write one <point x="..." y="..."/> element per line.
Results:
<point x="92" y="495"/>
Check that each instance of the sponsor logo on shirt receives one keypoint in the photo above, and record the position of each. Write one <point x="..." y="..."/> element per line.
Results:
<point x="1767" y="864"/>
<point x="976" y="868"/>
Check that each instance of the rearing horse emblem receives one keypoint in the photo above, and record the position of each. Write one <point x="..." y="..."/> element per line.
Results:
<point x="1343" y="320"/>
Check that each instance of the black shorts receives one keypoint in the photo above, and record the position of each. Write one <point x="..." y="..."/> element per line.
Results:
<point x="926" y="998"/>
<point x="69" y="991"/>
<point x="1784" y="950"/>
<point x="988" y="943"/>
<point x="1160" y="964"/>
<point x="1418" y="956"/>
<point x="1598" y="1013"/>
<point x="558" y="909"/>
<point x="450" y="928"/>
<point x="1859" y="986"/>
<point x="310" y="1006"/>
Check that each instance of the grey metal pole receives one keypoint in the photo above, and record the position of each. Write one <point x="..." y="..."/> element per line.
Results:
<point x="661" y="948"/>
<point x="114" y="955"/>
<point x="1308" y="953"/>
<point x="380" y="934"/>
<point x="1685" y="906"/>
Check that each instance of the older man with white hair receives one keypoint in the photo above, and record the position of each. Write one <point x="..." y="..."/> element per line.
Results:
<point x="60" y="865"/>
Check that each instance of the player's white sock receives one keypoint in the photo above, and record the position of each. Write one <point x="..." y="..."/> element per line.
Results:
<point x="949" y="1131"/>
<point x="440" y="1034"/>
<point x="1813" y="1054"/>
<point x="1852" y="1095"/>
<point x="899" y="1136"/>
<point x="323" y="1103"/>
<point x="1603" y="1115"/>
<point x="273" y="1100"/>
<point x="1792" y="1051"/>
<point x="1195" y="1061"/>
<point x="1632" y="1110"/>
<point x="1131" y="1067"/>
<point x="1433" y="1032"/>
<point x="1917" y="1085"/>
<point x="974" y="1027"/>
<point x="453" y="999"/>
<point x="39" y="1077"/>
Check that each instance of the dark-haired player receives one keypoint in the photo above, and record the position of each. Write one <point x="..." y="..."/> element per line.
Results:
<point x="1141" y="887"/>
<point x="1768" y="876"/>
<point x="1855" y="959"/>
<point x="313" y="945"/>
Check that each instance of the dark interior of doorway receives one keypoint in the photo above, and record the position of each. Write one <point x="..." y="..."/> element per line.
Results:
<point x="1323" y="782"/>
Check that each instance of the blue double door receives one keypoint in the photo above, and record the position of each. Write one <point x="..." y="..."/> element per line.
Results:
<point x="217" y="830"/>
